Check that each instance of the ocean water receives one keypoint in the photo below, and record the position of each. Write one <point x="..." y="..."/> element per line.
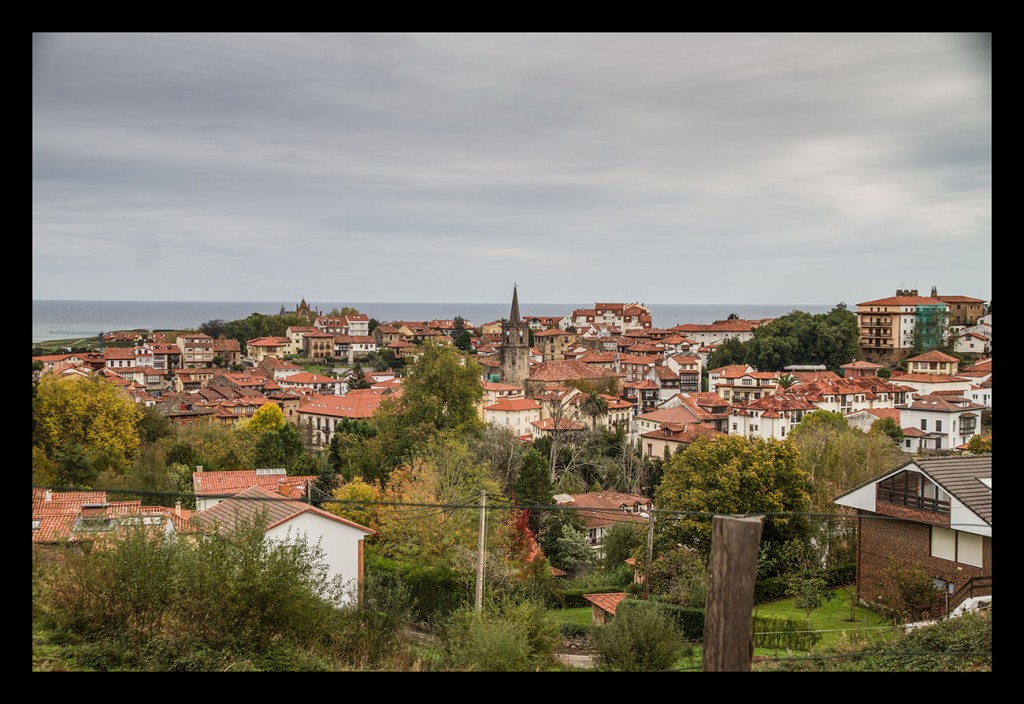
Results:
<point x="57" y="320"/>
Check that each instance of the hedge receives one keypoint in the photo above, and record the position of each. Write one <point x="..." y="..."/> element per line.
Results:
<point x="436" y="591"/>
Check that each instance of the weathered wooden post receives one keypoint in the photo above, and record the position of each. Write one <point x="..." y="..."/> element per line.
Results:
<point x="728" y="644"/>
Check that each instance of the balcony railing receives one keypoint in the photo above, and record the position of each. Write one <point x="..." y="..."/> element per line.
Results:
<point x="912" y="500"/>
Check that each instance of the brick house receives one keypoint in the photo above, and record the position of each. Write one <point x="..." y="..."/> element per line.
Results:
<point x="938" y="516"/>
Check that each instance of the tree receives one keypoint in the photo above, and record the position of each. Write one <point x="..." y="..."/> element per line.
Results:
<point x="889" y="427"/>
<point x="838" y="457"/>
<point x="533" y="485"/>
<point x="269" y="416"/>
<point x="786" y="381"/>
<point x="152" y="425"/>
<point x="343" y="311"/>
<point x="89" y="416"/>
<point x="563" y="538"/>
<point x="357" y="378"/>
<point x="978" y="444"/>
<point x="732" y="475"/>
<point x="356" y="501"/>
<point x="619" y="543"/>
<point x="729" y="351"/>
<point x="464" y="340"/>
<point x="440" y="392"/>
<point x="594" y="406"/>
<point x="423" y="517"/>
<point x="282" y="447"/>
<point x="214" y="328"/>
<point x="808" y="591"/>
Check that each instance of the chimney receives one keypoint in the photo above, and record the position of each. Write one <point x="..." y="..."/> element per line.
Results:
<point x="177" y="508"/>
<point x="48" y="496"/>
<point x="283" y="488"/>
<point x="199" y="468"/>
<point x="935" y="292"/>
<point x="183" y="407"/>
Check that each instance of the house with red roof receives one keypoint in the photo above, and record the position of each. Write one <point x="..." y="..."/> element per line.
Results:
<point x="261" y="347"/>
<point x="514" y="414"/>
<point x="720" y="330"/>
<point x="891" y="327"/>
<point x="211" y="488"/>
<point x="600" y="510"/>
<point x="323" y="413"/>
<point x="87" y="516"/>
<point x="670" y="438"/>
<point x="316" y="383"/>
<point x="286" y="521"/>
<point x="933" y="362"/>
<point x="938" y="422"/>
<point x="769" y="417"/>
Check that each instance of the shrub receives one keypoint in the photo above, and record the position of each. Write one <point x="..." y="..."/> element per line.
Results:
<point x="508" y="637"/>
<point x="639" y="638"/>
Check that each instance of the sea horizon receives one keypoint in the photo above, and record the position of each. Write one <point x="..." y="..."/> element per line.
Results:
<point x="54" y="319"/>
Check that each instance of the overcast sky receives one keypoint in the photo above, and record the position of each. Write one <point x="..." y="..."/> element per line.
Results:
<point x="664" y="168"/>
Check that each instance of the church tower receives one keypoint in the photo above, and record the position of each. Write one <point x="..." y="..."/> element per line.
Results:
<point x="514" y="353"/>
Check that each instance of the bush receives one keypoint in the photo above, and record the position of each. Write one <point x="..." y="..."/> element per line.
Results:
<point x="639" y="638"/>
<point x="508" y="637"/>
<point x="784" y="633"/>
<point x="434" y="593"/>
<point x="770" y="589"/>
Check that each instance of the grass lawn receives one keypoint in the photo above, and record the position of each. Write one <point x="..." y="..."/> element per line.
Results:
<point x="580" y="615"/>
<point x="833" y="618"/>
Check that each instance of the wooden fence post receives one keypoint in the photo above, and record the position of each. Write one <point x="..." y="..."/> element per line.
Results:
<point x="728" y="644"/>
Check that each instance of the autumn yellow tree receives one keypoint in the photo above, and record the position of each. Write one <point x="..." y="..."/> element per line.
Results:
<point x="356" y="501"/>
<point x="86" y="424"/>
<point x="427" y="512"/>
<point x="269" y="416"/>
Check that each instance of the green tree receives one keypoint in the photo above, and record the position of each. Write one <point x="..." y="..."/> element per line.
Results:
<point x="838" y="458"/>
<point x="979" y="445"/>
<point x="89" y="413"/>
<point x="152" y="425"/>
<point x="464" y="340"/>
<point x="533" y="485"/>
<point x="888" y="427"/>
<point x="282" y="447"/>
<point x="357" y="378"/>
<point x="214" y="328"/>
<point x="729" y="351"/>
<point x="786" y="381"/>
<point x="343" y="311"/>
<point x="440" y="392"/>
<point x="732" y="475"/>
<point x="594" y="406"/>
<point x="808" y="591"/>
<point x="620" y="541"/>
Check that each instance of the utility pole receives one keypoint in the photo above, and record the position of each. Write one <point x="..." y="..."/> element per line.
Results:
<point x="728" y="643"/>
<point x="480" y="554"/>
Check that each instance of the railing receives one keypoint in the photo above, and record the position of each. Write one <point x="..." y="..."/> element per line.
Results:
<point x="913" y="500"/>
<point x="975" y="586"/>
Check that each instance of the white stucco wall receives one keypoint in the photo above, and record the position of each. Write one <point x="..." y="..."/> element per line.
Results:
<point x="339" y="542"/>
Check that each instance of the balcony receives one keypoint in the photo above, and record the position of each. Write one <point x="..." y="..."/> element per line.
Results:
<point x="912" y="500"/>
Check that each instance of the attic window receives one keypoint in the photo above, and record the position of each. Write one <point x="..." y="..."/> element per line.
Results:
<point x="36" y="523"/>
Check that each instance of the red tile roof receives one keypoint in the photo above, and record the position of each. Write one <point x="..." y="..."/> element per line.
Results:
<point x="606" y="602"/>
<point x="933" y="356"/>
<point x="208" y="483"/>
<point x="514" y="404"/>
<point x="278" y="510"/>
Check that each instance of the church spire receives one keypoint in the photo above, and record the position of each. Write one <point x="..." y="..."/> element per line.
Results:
<point x="513" y="316"/>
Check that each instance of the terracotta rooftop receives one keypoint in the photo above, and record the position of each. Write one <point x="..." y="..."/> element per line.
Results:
<point x="606" y="602"/>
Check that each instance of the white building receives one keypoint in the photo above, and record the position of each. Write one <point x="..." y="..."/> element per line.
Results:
<point x="944" y="422"/>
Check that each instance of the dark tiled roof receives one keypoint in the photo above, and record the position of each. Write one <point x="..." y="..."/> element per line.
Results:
<point x="961" y="478"/>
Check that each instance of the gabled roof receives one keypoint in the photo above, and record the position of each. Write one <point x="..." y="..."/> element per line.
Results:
<point x="514" y="404"/>
<point x="606" y="602"/>
<point x="933" y="356"/>
<point x="251" y="503"/>
<point x="967" y="479"/>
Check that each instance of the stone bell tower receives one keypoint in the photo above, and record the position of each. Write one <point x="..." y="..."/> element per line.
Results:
<point x="514" y="353"/>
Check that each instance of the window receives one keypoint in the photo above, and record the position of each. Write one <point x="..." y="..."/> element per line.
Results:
<point x="938" y="426"/>
<point x="968" y="549"/>
<point x="924" y="424"/>
<point x="907" y="442"/>
<point x="943" y="543"/>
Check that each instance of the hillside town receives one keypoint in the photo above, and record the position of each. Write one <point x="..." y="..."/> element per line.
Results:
<point x="662" y="391"/>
